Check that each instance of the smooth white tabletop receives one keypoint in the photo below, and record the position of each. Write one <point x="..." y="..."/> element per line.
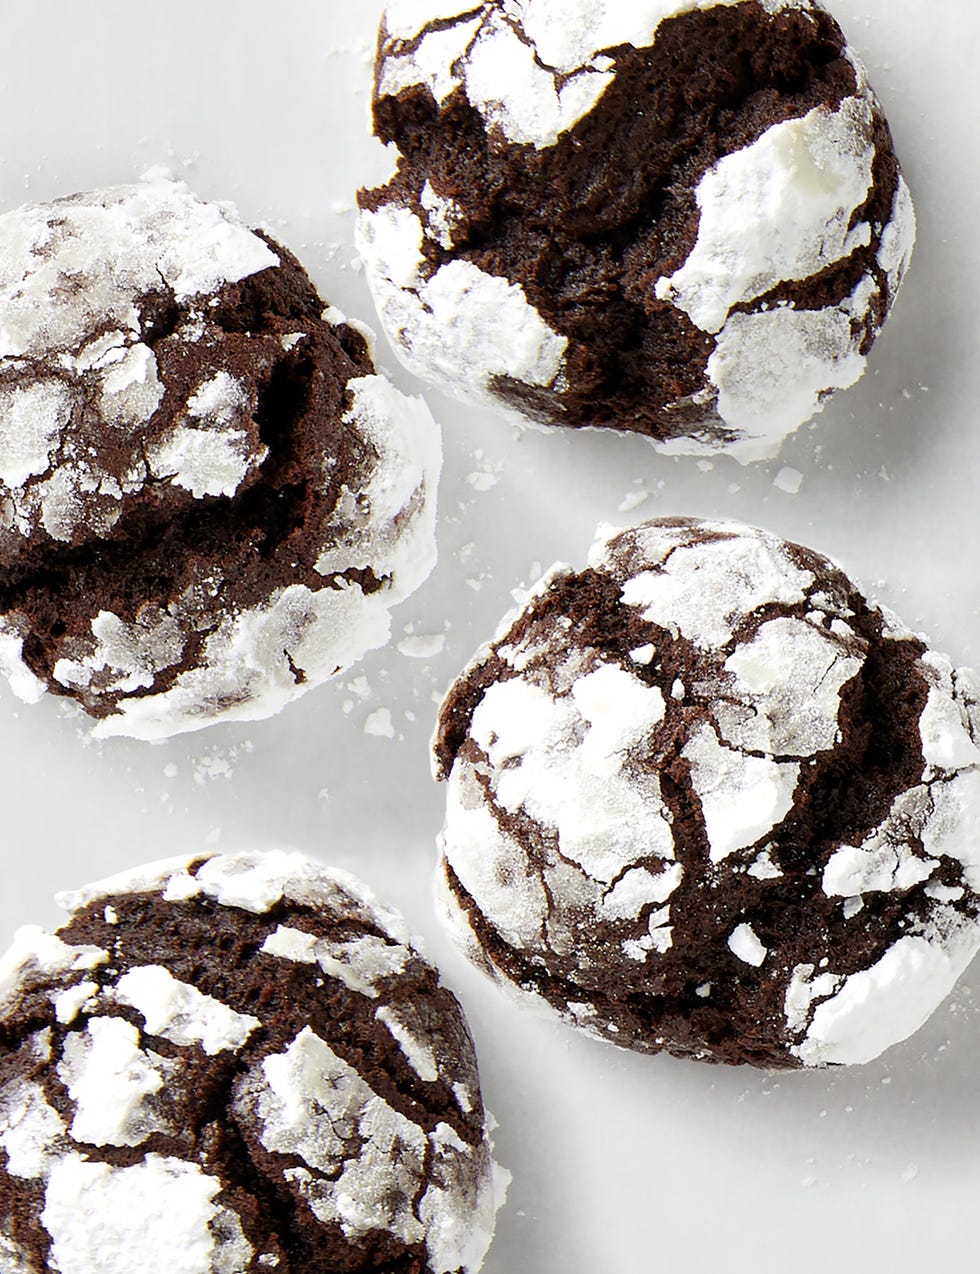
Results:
<point x="621" y="1163"/>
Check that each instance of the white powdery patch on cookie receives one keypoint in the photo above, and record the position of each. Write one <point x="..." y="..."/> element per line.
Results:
<point x="72" y="276"/>
<point x="181" y="1013"/>
<point x="32" y="417"/>
<point x="457" y="324"/>
<point x="773" y="370"/>
<point x="118" y="244"/>
<point x="131" y="390"/>
<point x="780" y="209"/>
<point x="532" y="69"/>
<point x="259" y="659"/>
<point x="109" y="1077"/>
<point x="213" y="456"/>
<point x="154" y="1217"/>
<point x="364" y="1161"/>
<point x="360" y="963"/>
<point x="34" y="954"/>
<point x="252" y="881"/>
<point x="204" y="461"/>
<point x="743" y="798"/>
<point x="403" y="1027"/>
<point x="701" y="590"/>
<point x="884" y="1004"/>
<point x="443" y="215"/>
<point x="744" y="944"/>
<point x="792" y="674"/>
<point x="125" y="656"/>
<point x="30" y="1129"/>
<point x="563" y="764"/>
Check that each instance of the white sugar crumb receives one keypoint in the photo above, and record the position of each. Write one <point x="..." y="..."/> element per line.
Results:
<point x="789" y="480"/>
<point x="213" y="764"/>
<point x="482" y="481"/>
<point x="633" y="501"/>
<point x="744" y="944"/>
<point x="422" y="646"/>
<point x="379" y="724"/>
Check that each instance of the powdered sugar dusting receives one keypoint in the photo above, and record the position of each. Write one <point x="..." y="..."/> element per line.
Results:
<point x="458" y="324"/>
<point x="533" y="86"/>
<point x="153" y="1216"/>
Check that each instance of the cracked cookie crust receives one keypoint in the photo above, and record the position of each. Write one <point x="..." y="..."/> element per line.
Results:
<point x="682" y="218"/>
<point x="208" y="498"/>
<point x="235" y="1064"/>
<point x="704" y="797"/>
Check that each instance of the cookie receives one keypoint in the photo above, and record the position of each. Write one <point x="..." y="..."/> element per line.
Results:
<point x="209" y="500"/>
<point x="705" y="798"/>
<point x="236" y="1064"/>
<point x="684" y="220"/>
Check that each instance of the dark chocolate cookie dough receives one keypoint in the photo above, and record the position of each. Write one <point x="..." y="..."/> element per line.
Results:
<point x="705" y="798"/>
<point x="208" y="499"/>
<point x="683" y="219"/>
<point x="232" y="1065"/>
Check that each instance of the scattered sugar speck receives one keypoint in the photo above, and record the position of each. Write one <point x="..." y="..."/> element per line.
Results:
<point x="482" y="481"/>
<point x="379" y="724"/>
<point x="170" y="770"/>
<point x="910" y="1173"/>
<point x="789" y="480"/>
<point x="361" y="687"/>
<point x="212" y="765"/>
<point x="633" y="501"/>
<point x="422" y="646"/>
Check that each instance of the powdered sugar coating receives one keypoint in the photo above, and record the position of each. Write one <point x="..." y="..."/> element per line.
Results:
<point x="784" y="211"/>
<point x="797" y="827"/>
<point x="72" y="276"/>
<point x="388" y="1155"/>
<point x="534" y="69"/>
<point x="128" y="383"/>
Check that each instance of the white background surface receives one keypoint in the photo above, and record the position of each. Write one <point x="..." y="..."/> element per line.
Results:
<point x="622" y="1164"/>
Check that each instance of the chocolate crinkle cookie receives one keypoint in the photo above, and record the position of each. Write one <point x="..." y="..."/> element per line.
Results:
<point x="705" y="798"/>
<point x="682" y="219"/>
<point x="209" y="500"/>
<point x="236" y="1065"/>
